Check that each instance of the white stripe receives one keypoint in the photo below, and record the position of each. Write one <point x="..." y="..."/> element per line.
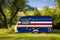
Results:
<point x="34" y="26"/>
<point x="40" y="22"/>
<point x="19" y="22"/>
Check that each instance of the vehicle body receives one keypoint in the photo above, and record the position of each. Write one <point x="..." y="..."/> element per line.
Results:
<point x="34" y="23"/>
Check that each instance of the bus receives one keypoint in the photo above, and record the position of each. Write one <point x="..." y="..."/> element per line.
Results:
<point x="34" y="24"/>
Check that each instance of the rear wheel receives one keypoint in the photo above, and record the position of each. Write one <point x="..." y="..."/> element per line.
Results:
<point x="35" y="31"/>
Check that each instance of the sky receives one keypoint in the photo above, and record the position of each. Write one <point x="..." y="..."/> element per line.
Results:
<point x="39" y="4"/>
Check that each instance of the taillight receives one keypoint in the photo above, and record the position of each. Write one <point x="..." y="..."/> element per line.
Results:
<point x="19" y="23"/>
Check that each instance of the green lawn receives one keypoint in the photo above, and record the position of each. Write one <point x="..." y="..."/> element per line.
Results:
<point x="30" y="36"/>
<point x="9" y="34"/>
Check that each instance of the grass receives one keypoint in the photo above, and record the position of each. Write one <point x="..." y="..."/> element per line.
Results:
<point x="9" y="34"/>
<point x="30" y="36"/>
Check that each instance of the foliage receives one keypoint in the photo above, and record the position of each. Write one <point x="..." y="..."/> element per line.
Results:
<point x="57" y="3"/>
<point x="9" y="10"/>
<point x="15" y="6"/>
<point x="36" y="12"/>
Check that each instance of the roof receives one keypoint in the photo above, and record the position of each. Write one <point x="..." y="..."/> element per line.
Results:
<point x="36" y="17"/>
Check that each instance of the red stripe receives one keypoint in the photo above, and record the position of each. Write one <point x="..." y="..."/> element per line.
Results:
<point x="38" y="23"/>
<point x="41" y="24"/>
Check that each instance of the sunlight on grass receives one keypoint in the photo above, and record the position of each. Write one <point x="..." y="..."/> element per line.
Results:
<point x="6" y="31"/>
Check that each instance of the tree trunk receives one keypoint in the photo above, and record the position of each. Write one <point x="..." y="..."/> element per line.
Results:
<point x="1" y="20"/>
<point x="10" y="22"/>
<point x="13" y="17"/>
<point x="5" y="23"/>
<point x="1" y="10"/>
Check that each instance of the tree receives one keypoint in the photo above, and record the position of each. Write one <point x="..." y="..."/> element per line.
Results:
<point x="1" y="12"/>
<point x="25" y="10"/>
<point x="15" y="6"/>
<point x="57" y="3"/>
<point x="36" y="12"/>
<point x="46" y="10"/>
<point x="58" y="12"/>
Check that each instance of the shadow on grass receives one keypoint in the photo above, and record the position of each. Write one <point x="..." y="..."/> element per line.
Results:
<point x="55" y="31"/>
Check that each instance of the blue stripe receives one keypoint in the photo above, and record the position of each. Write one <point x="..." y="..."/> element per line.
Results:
<point x="37" y="20"/>
<point x="40" y="20"/>
<point x="36" y="17"/>
<point x="40" y="29"/>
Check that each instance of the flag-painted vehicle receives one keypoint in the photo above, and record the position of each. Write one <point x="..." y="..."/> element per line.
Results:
<point x="34" y="24"/>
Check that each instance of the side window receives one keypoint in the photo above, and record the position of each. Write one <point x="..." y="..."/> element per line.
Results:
<point x="25" y="22"/>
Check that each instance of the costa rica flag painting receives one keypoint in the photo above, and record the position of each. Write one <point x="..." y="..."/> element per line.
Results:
<point x="39" y="23"/>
